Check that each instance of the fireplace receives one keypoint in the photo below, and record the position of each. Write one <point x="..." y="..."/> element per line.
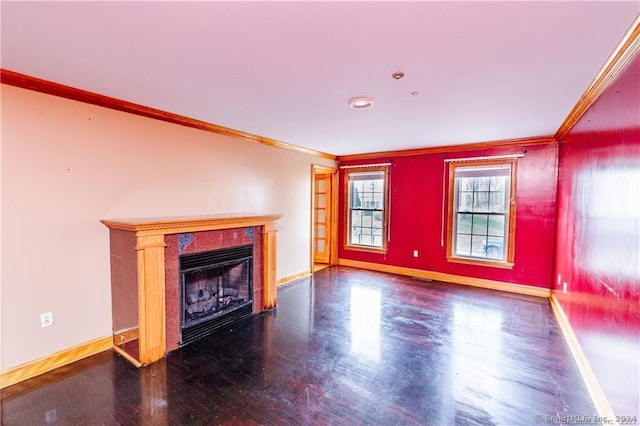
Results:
<point x="176" y="279"/>
<point x="216" y="289"/>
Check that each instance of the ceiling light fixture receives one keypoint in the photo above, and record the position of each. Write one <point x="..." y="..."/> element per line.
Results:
<point x="362" y="102"/>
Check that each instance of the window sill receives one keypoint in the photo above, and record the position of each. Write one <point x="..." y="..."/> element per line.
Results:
<point x="382" y="250"/>
<point x="481" y="262"/>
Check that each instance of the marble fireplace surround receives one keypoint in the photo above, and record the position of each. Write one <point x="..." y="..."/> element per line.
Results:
<point x="144" y="254"/>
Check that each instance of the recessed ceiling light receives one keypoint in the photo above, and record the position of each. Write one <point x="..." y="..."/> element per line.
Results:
<point x="362" y="102"/>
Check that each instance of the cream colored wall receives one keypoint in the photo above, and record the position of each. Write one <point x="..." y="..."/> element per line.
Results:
<point x="66" y="165"/>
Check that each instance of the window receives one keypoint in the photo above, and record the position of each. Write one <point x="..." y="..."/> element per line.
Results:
<point x="482" y="212"/>
<point x="367" y="208"/>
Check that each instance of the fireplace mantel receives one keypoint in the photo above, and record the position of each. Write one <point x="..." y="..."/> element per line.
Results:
<point x="148" y="241"/>
<point x="180" y="224"/>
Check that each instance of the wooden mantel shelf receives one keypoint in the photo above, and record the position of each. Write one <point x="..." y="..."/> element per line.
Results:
<point x="149" y="260"/>
<point x="181" y="224"/>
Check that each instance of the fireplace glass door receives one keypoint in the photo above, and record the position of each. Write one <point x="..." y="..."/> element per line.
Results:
<point x="216" y="289"/>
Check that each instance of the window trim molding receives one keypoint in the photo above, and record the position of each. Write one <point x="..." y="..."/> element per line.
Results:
<point x="383" y="167"/>
<point x="480" y="262"/>
<point x="508" y="263"/>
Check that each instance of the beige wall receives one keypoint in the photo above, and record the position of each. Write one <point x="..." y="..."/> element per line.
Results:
<point x="66" y="165"/>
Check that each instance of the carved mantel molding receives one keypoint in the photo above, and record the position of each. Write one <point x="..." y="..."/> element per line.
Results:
<point x="181" y="224"/>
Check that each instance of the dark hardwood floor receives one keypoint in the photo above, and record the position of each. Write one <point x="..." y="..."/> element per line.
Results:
<point x="348" y="347"/>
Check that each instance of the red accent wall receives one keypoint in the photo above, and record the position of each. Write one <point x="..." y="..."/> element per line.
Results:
<point x="598" y="239"/>
<point x="416" y="184"/>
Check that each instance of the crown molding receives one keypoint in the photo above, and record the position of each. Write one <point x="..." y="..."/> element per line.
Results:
<point x="23" y="81"/>
<point x="541" y="140"/>
<point x="621" y="56"/>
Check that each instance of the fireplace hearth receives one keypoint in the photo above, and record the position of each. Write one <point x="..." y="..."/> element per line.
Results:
<point x="216" y="290"/>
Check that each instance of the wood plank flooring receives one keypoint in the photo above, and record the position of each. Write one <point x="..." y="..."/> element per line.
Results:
<point x="344" y="347"/>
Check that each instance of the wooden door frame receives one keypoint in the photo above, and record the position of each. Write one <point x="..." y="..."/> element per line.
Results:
<point x="333" y="236"/>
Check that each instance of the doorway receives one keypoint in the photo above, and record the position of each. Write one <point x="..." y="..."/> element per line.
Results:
<point x="323" y="221"/>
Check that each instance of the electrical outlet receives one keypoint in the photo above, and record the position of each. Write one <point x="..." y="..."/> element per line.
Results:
<point x="415" y="253"/>
<point x="51" y="416"/>
<point x="564" y="287"/>
<point x="46" y="319"/>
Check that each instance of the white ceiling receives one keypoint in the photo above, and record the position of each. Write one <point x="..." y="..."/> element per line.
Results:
<point x="284" y="70"/>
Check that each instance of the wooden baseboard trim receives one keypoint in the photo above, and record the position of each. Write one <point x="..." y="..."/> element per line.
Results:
<point x="598" y="397"/>
<point x="126" y="335"/>
<point x="53" y="361"/>
<point x="126" y="356"/>
<point x="453" y="279"/>
<point x="289" y="278"/>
